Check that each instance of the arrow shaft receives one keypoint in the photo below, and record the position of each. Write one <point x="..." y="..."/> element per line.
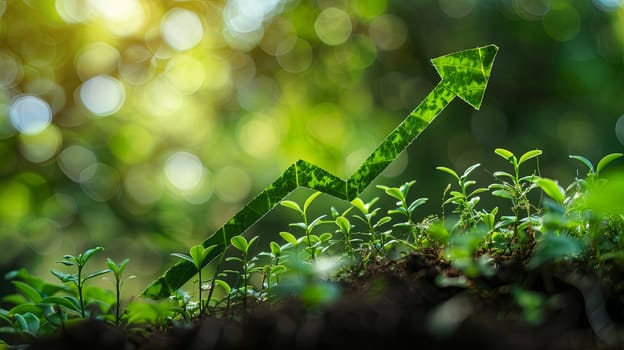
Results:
<point x="304" y="174"/>
<point x="399" y="139"/>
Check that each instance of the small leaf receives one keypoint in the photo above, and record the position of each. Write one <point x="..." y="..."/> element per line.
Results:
<point x="291" y="205"/>
<point x="529" y="155"/>
<point x="309" y="200"/>
<point x="343" y="224"/>
<point x="96" y="273"/>
<point x="69" y="303"/>
<point x="448" y="171"/>
<point x="502" y="194"/>
<point x="87" y="255"/>
<point x="394" y="192"/>
<point x="223" y="284"/>
<point x="289" y="237"/>
<point x="478" y="190"/>
<point x="507" y="155"/>
<point x="31" y="293"/>
<point x="251" y="241"/>
<point x="417" y="203"/>
<point x="65" y="277"/>
<point x="239" y="242"/>
<point x="184" y="257"/>
<point x="503" y="174"/>
<point x="606" y="160"/>
<point x="584" y="161"/>
<point x="359" y="203"/>
<point x="382" y="221"/>
<point x="552" y="189"/>
<point x="469" y="170"/>
<point x="275" y="248"/>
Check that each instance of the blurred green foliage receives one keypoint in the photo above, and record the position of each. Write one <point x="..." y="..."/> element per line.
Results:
<point x="144" y="125"/>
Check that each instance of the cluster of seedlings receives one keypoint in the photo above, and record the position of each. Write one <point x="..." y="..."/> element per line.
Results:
<point x="582" y="221"/>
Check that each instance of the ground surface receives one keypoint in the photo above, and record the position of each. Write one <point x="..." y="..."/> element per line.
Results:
<point x="400" y="303"/>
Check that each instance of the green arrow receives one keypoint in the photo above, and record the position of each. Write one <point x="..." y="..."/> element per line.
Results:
<point x="464" y="74"/>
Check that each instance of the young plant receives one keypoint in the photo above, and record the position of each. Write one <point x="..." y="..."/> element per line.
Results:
<point x="404" y="208"/>
<point x="307" y="225"/>
<point x="77" y="279"/>
<point x="197" y="256"/>
<point x="274" y="268"/>
<point x="248" y="265"/>
<point x="351" y="256"/>
<point x="377" y="240"/>
<point x="516" y="188"/>
<point x="118" y="269"/>
<point x="465" y="201"/>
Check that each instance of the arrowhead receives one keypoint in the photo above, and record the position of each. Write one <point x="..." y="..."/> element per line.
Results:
<point x="466" y="73"/>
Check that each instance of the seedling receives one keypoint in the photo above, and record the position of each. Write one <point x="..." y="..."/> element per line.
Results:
<point x="465" y="202"/>
<point x="307" y="225"/>
<point x="403" y="208"/>
<point x="197" y="256"/>
<point x="118" y="269"/>
<point x="77" y="279"/>
<point x="248" y="266"/>
<point x="377" y="241"/>
<point x="516" y="188"/>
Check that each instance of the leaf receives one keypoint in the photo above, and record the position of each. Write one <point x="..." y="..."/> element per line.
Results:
<point x="84" y="257"/>
<point x="417" y="203"/>
<point x="359" y="203"/>
<point x="309" y="200"/>
<point x="68" y="303"/>
<point x="117" y="268"/>
<point x="184" y="257"/>
<point x="289" y="237"/>
<point x="470" y="169"/>
<point x="392" y="191"/>
<point x="464" y="74"/>
<point x="240" y="243"/>
<point x="507" y="155"/>
<point x="95" y="274"/>
<point x="343" y="224"/>
<point x="275" y="248"/>
<point x="65" y="277"/>
<point x="529" y="155"/>
<point x="448" y="171"/>
<point x="585" y="161"/>
<point x="226" y="287"/>
<point x="251" y="241"/>
<point x="502" y="194"/>
<point x="291" y="205"/>
<point x="552" y="189"/>
<point x="28" y="322"/>
<point x="31" y="293"/>
<point x="606" y="160"/>
<point x="198" y="254"/>
<point x="503" y="174"/>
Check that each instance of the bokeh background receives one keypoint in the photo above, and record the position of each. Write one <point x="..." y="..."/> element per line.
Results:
<point x="142" y="126"/>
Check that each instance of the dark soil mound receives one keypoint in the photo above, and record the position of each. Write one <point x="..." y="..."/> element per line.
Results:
<point x="400" y="303"/>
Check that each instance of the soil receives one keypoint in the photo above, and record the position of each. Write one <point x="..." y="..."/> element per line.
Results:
<point x="400" y="303"/>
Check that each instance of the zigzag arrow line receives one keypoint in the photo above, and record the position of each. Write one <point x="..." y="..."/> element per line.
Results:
<point x="464" y="74"/>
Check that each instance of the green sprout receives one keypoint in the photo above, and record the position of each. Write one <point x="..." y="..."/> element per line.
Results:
<point x="118" y="269"/>
<point x="197" y="257"/>
<point x="77" y="279"/>
<point x="239" y="242"/>
<point x="516" y="188"/>
<point x="404" y="208"/>
<point x="465" y="201"/>
<point x="307" y="225"/>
